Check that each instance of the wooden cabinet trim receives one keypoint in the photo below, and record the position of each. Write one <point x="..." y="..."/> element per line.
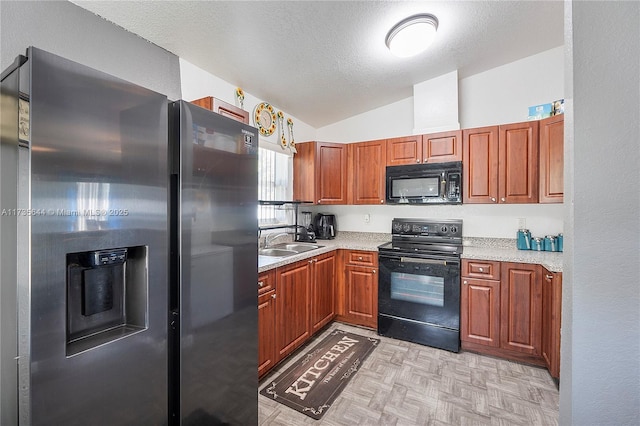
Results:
<point x="551" y="159"/>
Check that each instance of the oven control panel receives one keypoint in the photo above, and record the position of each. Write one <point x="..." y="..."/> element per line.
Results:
<point x="427" y="227"/>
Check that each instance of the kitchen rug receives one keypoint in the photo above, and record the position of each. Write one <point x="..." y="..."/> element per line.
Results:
<point x="312" y="383"/>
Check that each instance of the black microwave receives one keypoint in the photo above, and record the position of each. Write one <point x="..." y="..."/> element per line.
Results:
<point x="436" y="183"/>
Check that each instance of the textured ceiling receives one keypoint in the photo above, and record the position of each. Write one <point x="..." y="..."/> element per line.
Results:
<point x="324" y="61"/>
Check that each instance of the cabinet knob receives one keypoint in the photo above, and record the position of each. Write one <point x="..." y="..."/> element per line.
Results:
<point x="549" y="277"/>
<point x="260" y="283"/>
<point x="381" y="201"/>
<point x="425" y="160"/>
<point x="417" y="160"/>
<point x="465" y="282"/>
<point x="481" y="269"/>
<point x="359" y="257"/>
<point x="273" y="296"/>
<point x="319" y="201"/>
<point x="493" y="199"/>
<point x="373" y="271"/>
<point x="503" y="199"/>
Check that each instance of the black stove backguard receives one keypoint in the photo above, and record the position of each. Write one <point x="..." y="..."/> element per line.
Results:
<point x="419" y="283"/>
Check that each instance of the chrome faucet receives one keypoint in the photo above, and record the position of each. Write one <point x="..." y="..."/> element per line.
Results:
<point x="270" y="237"/>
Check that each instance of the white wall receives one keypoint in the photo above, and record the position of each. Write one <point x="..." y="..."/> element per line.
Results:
<point x="197" y="83"/>
<point x="435" y="104"/>
<point x="67" y="30"/>
<point x="500" y="95"/>
<point x="600" y="360"/>
<point x="503" y="95"/>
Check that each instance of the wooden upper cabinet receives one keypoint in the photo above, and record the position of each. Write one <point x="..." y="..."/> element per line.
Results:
<point x="432" y="148"/>
<point x="223" y="108"/>
<point x="552" y="159"/>
<point x="367" y="172"/>
<point x="442" y="147"/>
<point x="405" y="150"/>
<point x="480" y="165"/>
<point x="500" y="164"/>
<point x="320" y="173"/>
<point x="518" y="162"/>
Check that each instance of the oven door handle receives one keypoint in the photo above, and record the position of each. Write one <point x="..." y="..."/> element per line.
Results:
<point x="418" y="260"/>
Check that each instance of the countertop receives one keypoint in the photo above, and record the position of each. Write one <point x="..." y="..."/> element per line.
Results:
<point x="501" y="249"/>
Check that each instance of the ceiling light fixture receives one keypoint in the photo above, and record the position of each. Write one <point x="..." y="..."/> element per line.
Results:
<point x="412" y="35"/>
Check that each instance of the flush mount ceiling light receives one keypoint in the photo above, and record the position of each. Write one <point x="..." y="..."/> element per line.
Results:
<point x="412" y="35"/>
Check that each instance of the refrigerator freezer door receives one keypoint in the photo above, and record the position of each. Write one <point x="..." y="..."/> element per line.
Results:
<point x="216" y="290"/>
<point x="96" y="180"/>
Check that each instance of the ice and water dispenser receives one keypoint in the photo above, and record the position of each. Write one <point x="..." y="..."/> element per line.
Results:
<point x="106" y="296"/>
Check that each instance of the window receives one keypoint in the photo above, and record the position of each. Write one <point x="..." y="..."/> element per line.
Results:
<point x="275" y="172"/>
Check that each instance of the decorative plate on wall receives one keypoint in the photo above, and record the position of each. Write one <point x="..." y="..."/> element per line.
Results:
<point x="264" y="117"/>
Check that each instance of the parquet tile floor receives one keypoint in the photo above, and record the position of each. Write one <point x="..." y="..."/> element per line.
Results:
<point x="403" y="383"/>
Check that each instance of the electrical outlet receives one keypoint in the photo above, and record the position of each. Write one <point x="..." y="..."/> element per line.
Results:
<point x="367" y="218"/>
<point x="522" y="223"/>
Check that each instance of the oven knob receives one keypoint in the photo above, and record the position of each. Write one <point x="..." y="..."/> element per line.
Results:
<point x="454" y="229"/>
<point x="443" y="229"/>
<point x="397" y="226"/>
<point x="406" y="227"/>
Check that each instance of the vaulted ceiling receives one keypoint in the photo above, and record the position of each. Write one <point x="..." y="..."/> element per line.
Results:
<point x="324" y="61"/>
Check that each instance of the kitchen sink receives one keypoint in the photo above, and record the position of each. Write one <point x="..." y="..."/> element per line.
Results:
<point x="287" y="249"/>
<point x="276" y="252"/>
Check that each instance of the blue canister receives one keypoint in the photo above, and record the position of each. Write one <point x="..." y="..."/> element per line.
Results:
<point x="550" y="243"/>
<point x="559" y="242"/>
<point x="537" y="244"/>
<point x="524" y="239"/>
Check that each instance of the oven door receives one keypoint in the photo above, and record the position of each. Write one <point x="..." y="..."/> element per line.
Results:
<point x="420" y="288"/>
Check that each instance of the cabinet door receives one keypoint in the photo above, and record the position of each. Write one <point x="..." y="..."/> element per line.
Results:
<point x="266" y="332"/>
<point x="551" y="312"/>
<point x="405" y="150"/>
<point x="480" y="312"/>
<point x="518" y="162"/>
<point x="480" y="165"/>
<point x="292" y="307"/>
<point x="368" y="160"/>
<point x="323" y="291"/>
<point x="442" y="147"/>
<point x="552" y="159"/>
<point x="331" y="173"/>
<point x="304" y="172"/>
<point x="361" y="298"/>
<point x="521" y="308"/>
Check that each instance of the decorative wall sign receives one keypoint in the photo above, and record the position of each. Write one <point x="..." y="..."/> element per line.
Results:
<point x="283" y="139"/>
<point x="240" y="97"/>
<point x="292" y="142"/>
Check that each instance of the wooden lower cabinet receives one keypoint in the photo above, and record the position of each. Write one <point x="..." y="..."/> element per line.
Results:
<point x="516" y="316"/>
<point x="294" y="302"/>
<point x="358" y="288"/>
<point x="521" y="308"/>
<point x="266" y="322"/>
<point x="323" y="293"/>
<point x="551" y="316"/>
<point x="480" y="312"/>
<point x="292" y="307"/>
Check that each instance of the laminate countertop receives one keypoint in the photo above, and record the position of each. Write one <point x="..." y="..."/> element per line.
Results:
<point x="500" y="249"/>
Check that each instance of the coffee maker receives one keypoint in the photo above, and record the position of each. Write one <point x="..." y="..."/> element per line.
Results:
<point x="325" y="226"/>
<point x="305" y="231"/>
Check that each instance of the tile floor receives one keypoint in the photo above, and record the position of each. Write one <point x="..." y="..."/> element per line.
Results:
<point x="402" y="383"/>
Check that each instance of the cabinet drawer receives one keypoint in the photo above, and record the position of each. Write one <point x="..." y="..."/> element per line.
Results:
<point x="487" y="269"/>
<point x="364" y="258"/>
<point x="266" y="282"/>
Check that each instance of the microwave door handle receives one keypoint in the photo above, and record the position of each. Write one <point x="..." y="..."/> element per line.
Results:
<point x="443" y="183"/>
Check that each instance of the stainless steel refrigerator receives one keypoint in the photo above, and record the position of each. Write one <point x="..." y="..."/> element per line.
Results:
<point x="87" y="306"/>
<point x="214" y="179"/>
